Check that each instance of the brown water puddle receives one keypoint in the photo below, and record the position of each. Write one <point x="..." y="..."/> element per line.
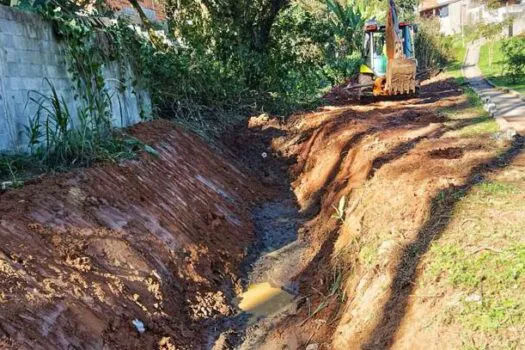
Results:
<point x="263" y="300"/>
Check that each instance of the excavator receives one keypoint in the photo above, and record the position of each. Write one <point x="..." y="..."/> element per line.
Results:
<point x="390" y="65"/>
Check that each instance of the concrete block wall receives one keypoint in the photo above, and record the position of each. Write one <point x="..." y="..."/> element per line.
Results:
<point x="30" y="54"/>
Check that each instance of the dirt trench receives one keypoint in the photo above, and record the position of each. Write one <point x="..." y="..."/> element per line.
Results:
<point x="301" y="233"/>
<point x="398" y="167"/>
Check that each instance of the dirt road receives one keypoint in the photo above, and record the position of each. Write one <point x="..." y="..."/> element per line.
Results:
<point x="244" y="247"/>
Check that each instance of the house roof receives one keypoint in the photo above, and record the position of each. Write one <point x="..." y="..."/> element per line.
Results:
<point x="432" y="4"/>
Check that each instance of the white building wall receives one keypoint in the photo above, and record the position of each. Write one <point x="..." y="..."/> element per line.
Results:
<point x="452" y="23"/>
<point x="466" y="12"/>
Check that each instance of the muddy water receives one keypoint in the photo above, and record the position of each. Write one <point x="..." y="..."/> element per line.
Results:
<point x="273" y="260"/>
<point x="264" y="300"/>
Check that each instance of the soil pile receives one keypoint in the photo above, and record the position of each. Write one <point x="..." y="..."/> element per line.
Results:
<point x="155" y="241"/>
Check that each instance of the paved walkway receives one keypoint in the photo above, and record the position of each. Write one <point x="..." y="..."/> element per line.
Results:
<point x="509" y="108"/>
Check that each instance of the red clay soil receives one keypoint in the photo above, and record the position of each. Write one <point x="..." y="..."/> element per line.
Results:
<point x="392" y="160"/>
<point x="161" y="239"/>
<point x="157" y="239"/>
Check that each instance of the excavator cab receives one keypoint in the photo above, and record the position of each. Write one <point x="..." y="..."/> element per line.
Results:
<point x="373" y="73"/>
<point x="375" y="46"/>
<point x="389" y="53"/>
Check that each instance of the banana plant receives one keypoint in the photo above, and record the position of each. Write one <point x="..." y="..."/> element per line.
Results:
<point x="347" y="22"/>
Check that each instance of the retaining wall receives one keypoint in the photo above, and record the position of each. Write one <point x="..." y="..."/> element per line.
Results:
<point x="30" y="54"/>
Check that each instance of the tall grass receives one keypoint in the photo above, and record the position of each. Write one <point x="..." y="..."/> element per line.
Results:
<point x="59" y="140"/>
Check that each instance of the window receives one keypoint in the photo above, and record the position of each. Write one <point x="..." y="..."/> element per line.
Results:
<point x="443" y="11"/>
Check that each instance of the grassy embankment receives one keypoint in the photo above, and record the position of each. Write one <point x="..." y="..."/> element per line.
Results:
<point x="474" y="109"/>
<point x="479" y="261"/>
<point x="495" y="71"/>
<point x="454" y="68"/>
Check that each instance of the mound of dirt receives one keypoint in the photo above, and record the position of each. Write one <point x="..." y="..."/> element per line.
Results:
<point x="90" y="257"/>
<point x="447" y="153"/>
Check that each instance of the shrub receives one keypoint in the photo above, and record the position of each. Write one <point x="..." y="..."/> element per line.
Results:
<point x="433" y="50"/>
<point x="514" y="57"/>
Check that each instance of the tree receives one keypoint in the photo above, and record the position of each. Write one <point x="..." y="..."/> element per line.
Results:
<point x="514" y="57"/>
<point x="347" y="22"/>
<point x="250" y="20"/>
<point x="491" y="31"/>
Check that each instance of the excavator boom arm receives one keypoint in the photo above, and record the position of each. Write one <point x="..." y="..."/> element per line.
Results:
<point x="401" y="71"/>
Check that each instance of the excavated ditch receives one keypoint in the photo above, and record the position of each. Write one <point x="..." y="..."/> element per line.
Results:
<point x="205" y="254"/>
<point x="268" y="293"/>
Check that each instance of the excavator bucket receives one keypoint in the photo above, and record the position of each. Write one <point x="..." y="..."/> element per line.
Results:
<point x="400" y="70"/>
<point x="401" y="76"/>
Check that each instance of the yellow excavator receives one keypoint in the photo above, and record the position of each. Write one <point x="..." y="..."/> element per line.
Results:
<point x="390" y="64"/>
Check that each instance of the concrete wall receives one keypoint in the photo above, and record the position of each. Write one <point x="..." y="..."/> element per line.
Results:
<point x="29" y="54"/>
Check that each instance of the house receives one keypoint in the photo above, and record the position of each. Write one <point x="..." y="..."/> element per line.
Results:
<point x="453" y="15"/>
<point x="153" y="9"/>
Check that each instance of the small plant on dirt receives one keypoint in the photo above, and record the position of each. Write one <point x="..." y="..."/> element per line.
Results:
<point x="7" y="170"/>
<point x="335" y="293"/>
<point x="340" y="209"/>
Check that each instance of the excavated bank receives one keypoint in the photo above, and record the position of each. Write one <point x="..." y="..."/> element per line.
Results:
<point x="168" y="241"/>
<point x="158" y="240"/>
<point x="397" y="165"/>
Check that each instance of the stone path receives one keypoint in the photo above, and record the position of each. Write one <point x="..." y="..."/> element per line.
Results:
<point x="507" y="107"/>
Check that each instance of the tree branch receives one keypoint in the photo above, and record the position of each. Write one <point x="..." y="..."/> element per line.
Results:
<point x="145" y="20"/>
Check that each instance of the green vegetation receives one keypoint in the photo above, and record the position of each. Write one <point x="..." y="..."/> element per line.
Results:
<point x="60" y="138"/>
<point x="58" y="142"/>
<point x="455" y="65"/>
<point x="477" y="264"/>
<point x="477" y="120"/>
<point x="340" y="210"/>
<point x="240" y="59"/>
<point x="434" y="51"/>
<point x="221" y="61"/>
<point x="216" y="63"/>
<point x="482" y="256"/>
<point x="506" y="68"/>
